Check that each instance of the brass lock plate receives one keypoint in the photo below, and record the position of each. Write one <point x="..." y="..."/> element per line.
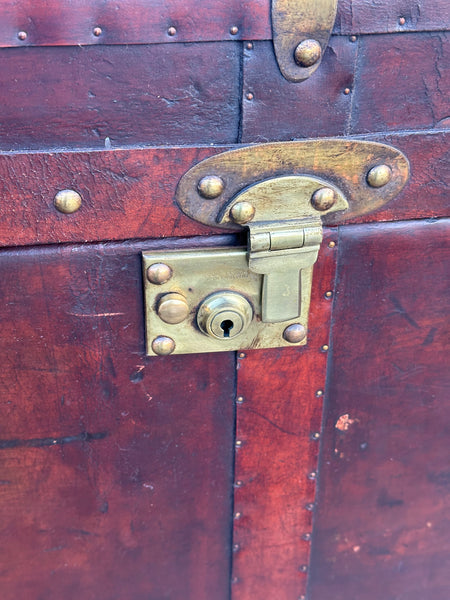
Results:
<point x="196" y="275"/>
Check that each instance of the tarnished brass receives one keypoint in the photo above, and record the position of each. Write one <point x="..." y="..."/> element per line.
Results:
<point x="173" y="308"/>
<point x="159" y="273"/>
<point x="301" y="30"/>
<point x="162" y="345"/>
<point x="344" y="162"/>
<point x="379" y="176"/>
<point x="67" y="201"/>
<point x="210" y="186"/>
<point x="258" y="297"/>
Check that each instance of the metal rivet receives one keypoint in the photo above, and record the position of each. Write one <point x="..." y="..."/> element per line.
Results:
<point x="319" y="393"/>
<point x="241" y="354"/>
<point x="163" y="345"/>
<point x="234" y="580"/>
<point x="347" y="91"/>
<point x="307" y="53"/>
<point x="237" y="515"/>
<point x="323" y="198"/>
<point x="353" y="38"/>
<point x="249" y="46"/>
<point x="306" y="537"/>
<point x="309" y="506"/>
<point x="402" y="21"/>
<point x="97" y="31"/>
<point x="242" y="212"/>
<point x="172" y="31"/>
<point x="238" y="443"/>
<point x="312" y="476"/>
<point x="22" y="35"/>
<point x="379" y="176"/>
<point x="236" y="547"/>
<point x="315" y="436"/>
<point x="325" y="348"/>
<point x="303" y="568"/>
<point x="329" y="294"/>
<point x="332" y="245"/>
<point x="249" y="96"/>
<point x="173" y="308"/>
<point x="238" y="483"/>
<point x="159" y="273"/>
<point x="240" y="400"/>
<point x="294" y="333"/>
<point x="302" y="598"/>
<point x="67" y="201"/>
<point x="210" y="186"/>
<point x="234" y="30"/>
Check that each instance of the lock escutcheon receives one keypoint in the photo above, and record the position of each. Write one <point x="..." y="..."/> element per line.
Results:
<point x="224" y="315"/>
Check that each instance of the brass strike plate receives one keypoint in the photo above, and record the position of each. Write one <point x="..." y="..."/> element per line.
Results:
<point x="197" y="275"/>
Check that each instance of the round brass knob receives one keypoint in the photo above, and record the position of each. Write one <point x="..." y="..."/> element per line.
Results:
<point x="224" y="315"/>
<point x="163" y="346"/>
<point x="307" y="53"/>
<point x="173" y="308"/>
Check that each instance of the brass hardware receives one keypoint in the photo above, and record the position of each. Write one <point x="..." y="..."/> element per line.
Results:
<point x="67" y="201"/>
<point x="234" y="30"/>
<point x="97" y="31"/>
<point x="224" y="315"/>
<point x="379" y="176"/>
<point x="210" y="186"/>
<point x="307" y="53"/>
<point x="173" y="308"/>
<point x="301" y="30"/>
<point x="159" y="273"/>
<point x="22" y="35"/>
<point x="218" y="299"/>
<point x="162" y="345"/>
<point x="294" y="333"/>
<point x="172" y="31"/>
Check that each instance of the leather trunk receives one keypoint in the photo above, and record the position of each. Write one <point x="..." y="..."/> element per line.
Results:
<point x="316" y="471"/>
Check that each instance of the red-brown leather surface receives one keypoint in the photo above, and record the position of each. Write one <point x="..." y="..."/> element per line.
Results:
<point x="382" y="527"/>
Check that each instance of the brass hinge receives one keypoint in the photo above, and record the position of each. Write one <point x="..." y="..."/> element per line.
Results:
<point x="257" y="297"/>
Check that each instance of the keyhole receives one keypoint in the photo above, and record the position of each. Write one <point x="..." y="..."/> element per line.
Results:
<point x="226" y="326"/>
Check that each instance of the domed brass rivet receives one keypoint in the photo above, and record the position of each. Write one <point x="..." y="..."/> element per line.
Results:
<point x="159" y="273"/>
<point x="242" y="212"/>
<point x="323" y="198"/>
<point x="22" y="35"/>
<point x="173" y="308"/>
<point x="234" y="30"/>
<point x="67" y="201"/>
<point x="401" y="21"/>
<point x="97" y="31"/>
<point x="163" y="345"/>
<point x="294" y="333"/>
<point x="172" y="31"/>
<point x="307" y="53"/>
<point x="379" y="176"/>
<point x="210" y="186"/>
<point x="353" y="38"/>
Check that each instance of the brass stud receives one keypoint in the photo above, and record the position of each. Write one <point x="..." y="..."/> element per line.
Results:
<point x="401" y="21"/>
<point x="163" y="346"/>
<point x="240" y="400"/>
<point x="249" y="46"/>
<point x="173" y="308"/>
<point x="323" y="198"/>
<point x="347" y="91"/>
<point x="236" y="547"/>
<point x="210" y="187"/>
<point x="306" y="537"/>
<point x="353" y="38"/>
<point x="241" y="355"/>
<point x="379" y="176"/>
<point x="325" y="348"/>
<point x="234" y="30"/>
<point x="172" y="31"/>
<point x="97" y="31"/>
<point x="238" y="444"/>
<point x="238" y="484"/>
<point x="67" y="201"/>
<point x="315" y="435"/>
<point x="294" y="333"/>
<point x="319" y="393"/>
<point x="242" y="212"/>
<point x="332" y="245"/>
<point x="249" y="96"/>
<point x="329" y="294"/>
<point x="303" y="568"/>
<point x="312" y="476"/>
<point x="22" y="35"/>
<point x="307" y="53"/>
<point x="159" y="273"/>
<point x="309" y="506"/>
<point x="237" y="515"/>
